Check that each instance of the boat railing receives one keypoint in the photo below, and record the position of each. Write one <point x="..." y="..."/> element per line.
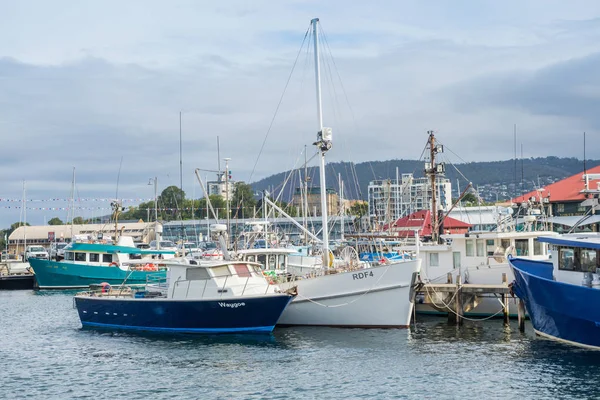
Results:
<point x="223" y="289"/>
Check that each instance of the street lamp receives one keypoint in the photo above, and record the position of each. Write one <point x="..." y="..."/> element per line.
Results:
<point x="154" y="181"/>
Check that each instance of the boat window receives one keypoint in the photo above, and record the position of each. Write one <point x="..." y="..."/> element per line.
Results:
<point x="470" y="249"/>
<point x="272" y="262"/>
<point x="588" y="260"/>
<point x="196" y="274"/>
<point x="434" y="259"/>
<point x="94" y="257"/>
<point x="538" y="248"/>
<point x="223" y="270"/>
<point x="479" y="243"/>
<point x="69" y="256"/>
<point x="566" y="259"/>
<point x="281" y="261"/>
<point x="79" y="256"/>
<point x="251" y="258"/>
<point x="522" y="247"/>
<point x="241" y="270"/>
<point x="107" y="258"/>
<point x="490" y="248"/>
<point x="261" y="259"/>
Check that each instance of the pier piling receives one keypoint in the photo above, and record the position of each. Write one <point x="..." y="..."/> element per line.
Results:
<point x="505" y="302"/>
<point x="521" y="315"/>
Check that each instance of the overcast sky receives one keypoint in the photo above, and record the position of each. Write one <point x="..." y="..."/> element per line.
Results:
<point x="86" y="84"/>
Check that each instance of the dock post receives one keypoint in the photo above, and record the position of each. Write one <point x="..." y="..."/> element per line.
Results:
<point x="449" y="277"/>
<point x="458" y="307"/>
<point x="521" y="315"/>
<point x="505" y="302"/>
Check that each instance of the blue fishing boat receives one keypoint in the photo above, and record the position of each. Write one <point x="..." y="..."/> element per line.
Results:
<point x="95" y="262"/>
<point x="197" y="296"/>
<point x="560" y="296"/>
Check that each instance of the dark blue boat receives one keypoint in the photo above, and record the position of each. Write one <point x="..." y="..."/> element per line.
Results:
<point x="206" y="297"/>
<point x="561" y="296"/>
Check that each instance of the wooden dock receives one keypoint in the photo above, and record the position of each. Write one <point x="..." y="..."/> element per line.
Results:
<point x="459" y="296"/>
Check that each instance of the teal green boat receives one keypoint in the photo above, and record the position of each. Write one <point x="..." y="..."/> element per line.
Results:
<point x="86" y="264"/>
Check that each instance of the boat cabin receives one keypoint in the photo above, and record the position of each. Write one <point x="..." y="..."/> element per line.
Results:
<point x="220" y="279"/>
<point x="270" y="259"/>
<point x="576" y="258"/>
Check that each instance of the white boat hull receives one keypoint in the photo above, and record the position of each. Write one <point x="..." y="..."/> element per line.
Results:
<point x="373" y="297"/>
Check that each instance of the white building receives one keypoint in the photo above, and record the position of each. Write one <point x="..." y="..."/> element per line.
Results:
<point x="220" y="186"/>
<point x="392" y="199"/>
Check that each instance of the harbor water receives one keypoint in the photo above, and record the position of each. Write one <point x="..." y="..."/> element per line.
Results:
<point x="45" y="354"/>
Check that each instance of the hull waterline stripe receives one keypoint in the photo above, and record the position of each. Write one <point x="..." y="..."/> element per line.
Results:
<point x="179" y="330"/>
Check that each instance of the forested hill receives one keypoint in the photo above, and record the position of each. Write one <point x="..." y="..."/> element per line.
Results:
<point x="491" y="175"/>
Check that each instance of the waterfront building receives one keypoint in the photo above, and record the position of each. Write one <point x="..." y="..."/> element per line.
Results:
<point x="567" y="201"/>
<point x="44" y="235"/>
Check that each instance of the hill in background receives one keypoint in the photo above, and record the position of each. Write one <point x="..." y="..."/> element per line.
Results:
<point x="502" y="179"/>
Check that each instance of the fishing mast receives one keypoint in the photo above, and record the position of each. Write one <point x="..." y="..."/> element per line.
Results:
<point x="323" y="143"/>
<point x="432" y="169"/>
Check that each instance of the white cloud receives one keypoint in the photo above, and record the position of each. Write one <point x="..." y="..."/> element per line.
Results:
<point x="84" y="84"/>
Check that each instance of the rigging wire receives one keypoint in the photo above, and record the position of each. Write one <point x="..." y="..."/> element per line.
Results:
<point x="278" y="105"/>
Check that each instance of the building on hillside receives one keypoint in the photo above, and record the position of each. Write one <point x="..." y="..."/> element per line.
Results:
<point x="313" y="198"/>
<point x="390" y="199"/>
<point x="565" y="202"/>
<point x="44" y="235"/>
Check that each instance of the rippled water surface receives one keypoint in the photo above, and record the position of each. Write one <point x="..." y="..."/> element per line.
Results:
<point x="45" y="354"/>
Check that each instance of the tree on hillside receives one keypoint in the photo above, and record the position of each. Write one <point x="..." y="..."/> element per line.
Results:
<point x="55" y="221"/>
<point x="171" y="200"/>
<point x="243" y="201"/>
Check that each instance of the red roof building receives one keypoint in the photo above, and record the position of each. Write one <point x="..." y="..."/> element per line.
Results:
<point x="421" y="221"/>
<point x="566" y="196"/>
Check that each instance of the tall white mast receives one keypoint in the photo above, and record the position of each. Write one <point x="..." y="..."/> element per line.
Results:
<point x="24" y="219"/>
<point x="323" y="143"/>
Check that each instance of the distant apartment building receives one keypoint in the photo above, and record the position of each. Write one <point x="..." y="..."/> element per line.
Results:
<point x="392" y="199"/>
<point x="221" y="186"/>
<point x="313" y="199"/>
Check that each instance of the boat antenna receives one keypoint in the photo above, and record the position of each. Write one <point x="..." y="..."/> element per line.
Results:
<point x="323" y="143"/>
<point x="587" y="181"/>
<point x="73" y="201"/>
<point x="522" y="172"/>
<point x="515" y="169"/>
<point x="219" y="157"/>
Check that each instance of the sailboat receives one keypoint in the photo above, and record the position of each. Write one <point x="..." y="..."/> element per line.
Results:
<point x="351" y="295"/>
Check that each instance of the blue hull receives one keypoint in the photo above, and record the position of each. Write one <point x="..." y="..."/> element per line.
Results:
<point x="66" y="275"/>
<point x="558" y="310"/>
<point x="237" y="315"/>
